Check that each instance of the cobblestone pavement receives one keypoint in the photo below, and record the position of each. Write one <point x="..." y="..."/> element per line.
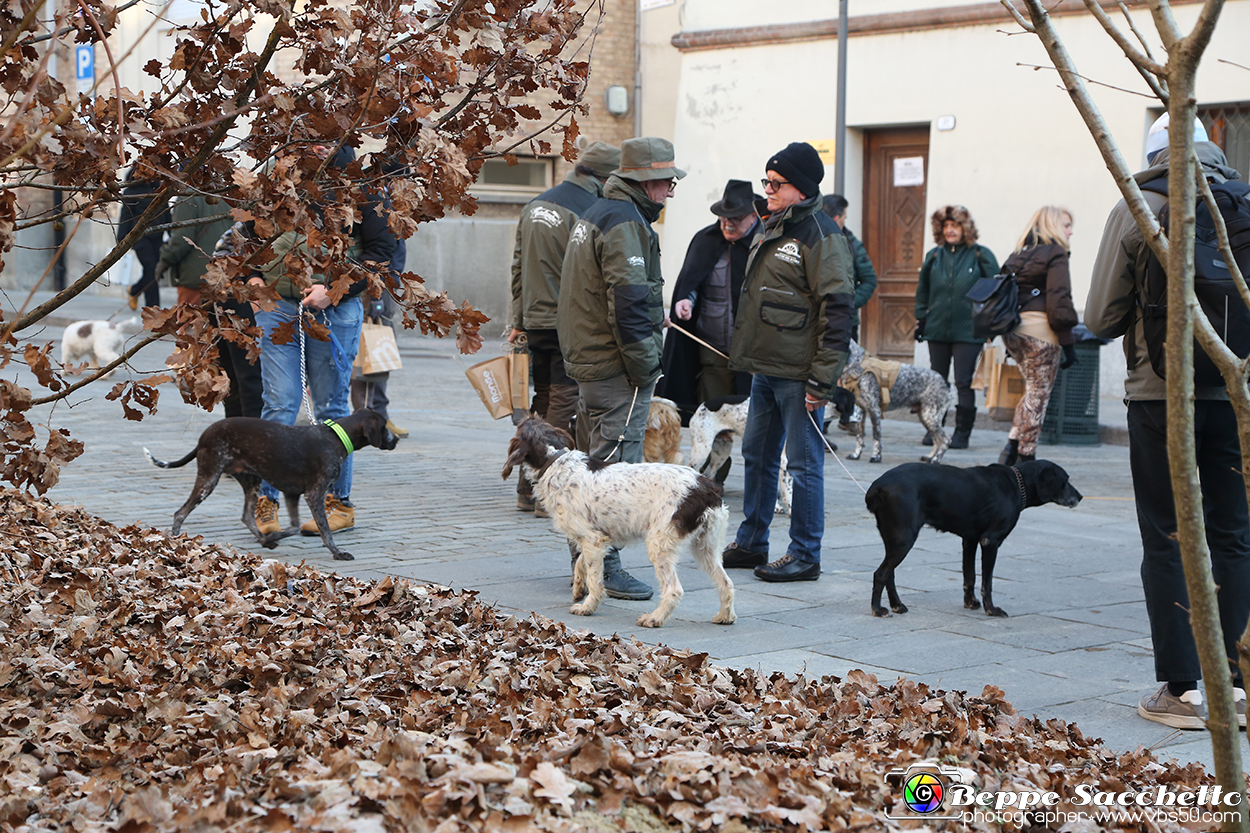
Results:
<point x="435" y="509"/>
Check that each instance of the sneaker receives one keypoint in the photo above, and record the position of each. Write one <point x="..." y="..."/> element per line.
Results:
<point x="266" y="513"/>
<point x="736" y="557"/>
<point x="788" y="568"/>
<point x="396" y="430"/>
<point x="619" y="584"/>
<point x="339" y="516"/>
<point x="1184" y="712"/>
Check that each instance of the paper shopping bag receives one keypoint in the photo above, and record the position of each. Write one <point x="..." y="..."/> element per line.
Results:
<point x="981" y="378"/>
<point x="1005" y="389"/>
<point x="378" y="351"/>
<point x="491" y="381"/>
<point x="519" y="378"/>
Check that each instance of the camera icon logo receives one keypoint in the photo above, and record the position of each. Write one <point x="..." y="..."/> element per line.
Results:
<point x="924" y="789"/>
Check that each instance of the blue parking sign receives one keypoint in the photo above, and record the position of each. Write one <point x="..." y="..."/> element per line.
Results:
<point x="85" y="61"/>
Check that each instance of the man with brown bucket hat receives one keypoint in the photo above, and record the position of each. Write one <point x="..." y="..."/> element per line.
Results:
<point x="541" y="237"/>
<point x="611" y="312"/>
<point x="705" y="301"/>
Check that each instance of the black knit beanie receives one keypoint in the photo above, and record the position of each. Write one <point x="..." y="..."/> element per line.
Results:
<point x="800" y="164"/>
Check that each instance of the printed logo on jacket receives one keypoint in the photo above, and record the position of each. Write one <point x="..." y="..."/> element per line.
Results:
<point x="789" y="253"/>
<point x="579" y="234"/>
<point x="549" y="218"/>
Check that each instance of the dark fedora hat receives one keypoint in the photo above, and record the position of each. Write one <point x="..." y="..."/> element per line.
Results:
<point x="738" y="201"/>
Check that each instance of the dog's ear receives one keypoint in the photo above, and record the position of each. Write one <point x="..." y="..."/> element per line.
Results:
<point x="517" y="449"/>
<point x="566" y="438"/>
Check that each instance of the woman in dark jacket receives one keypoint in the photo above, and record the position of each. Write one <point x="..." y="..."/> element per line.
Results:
<point x="943" y="311"/>
<point x="1040" y="267"/>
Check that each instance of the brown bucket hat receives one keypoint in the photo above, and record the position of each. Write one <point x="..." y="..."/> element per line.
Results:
<point x="648" y="158"/>
<point x="601" y="158"/>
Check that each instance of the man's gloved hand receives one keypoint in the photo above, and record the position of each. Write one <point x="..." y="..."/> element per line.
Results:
<point x="1069" y="357"/>
<point x="919" y="329"/>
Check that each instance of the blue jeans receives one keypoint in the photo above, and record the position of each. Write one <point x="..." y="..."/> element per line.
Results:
<point x="778" y="415"/>
<point x="329" y="380"/>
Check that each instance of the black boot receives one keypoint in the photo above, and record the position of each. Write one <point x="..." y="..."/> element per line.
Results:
<point x="965" y="416"/>
<point x="1011" y="451"/>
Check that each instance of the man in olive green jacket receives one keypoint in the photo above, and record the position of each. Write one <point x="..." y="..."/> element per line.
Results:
<point x="541" y="237"/>
<point x="611" y="313"/>
<point x="185" y="255"/>
<point x="793" y="332"/>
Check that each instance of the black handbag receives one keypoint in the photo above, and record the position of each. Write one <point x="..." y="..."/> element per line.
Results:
<point x="995" y="305"/>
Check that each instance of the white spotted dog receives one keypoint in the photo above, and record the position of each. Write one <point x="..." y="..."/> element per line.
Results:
<point x="919" y="389"/>
<point x="713" y="428"/>
<point x="598" y="505"/>
<point x="97" y="342"/>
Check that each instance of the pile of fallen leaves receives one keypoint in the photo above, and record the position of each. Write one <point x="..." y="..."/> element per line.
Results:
<point x="152" y="683"/>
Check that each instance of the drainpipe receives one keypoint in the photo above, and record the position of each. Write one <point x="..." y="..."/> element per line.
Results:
<point x="58" y="239"/>
<point x="839" y="136"/>
<point x="638" y="68"/>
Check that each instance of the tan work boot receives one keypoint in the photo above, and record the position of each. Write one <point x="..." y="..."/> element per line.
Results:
<point x="396" y="430"/>
<point x="267" y="515"/>
<point x="339" y="515"/>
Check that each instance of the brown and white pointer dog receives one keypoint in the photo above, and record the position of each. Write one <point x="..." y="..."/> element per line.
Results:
<point x="597" y="505"/>
<point x="295" y="459"/>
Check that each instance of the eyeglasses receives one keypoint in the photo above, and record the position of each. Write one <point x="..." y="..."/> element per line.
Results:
<point x="774" y="184"/>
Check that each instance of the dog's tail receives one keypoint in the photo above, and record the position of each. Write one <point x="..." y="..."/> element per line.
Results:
<point x="175" y="464"/>
<point x="708" y="540"/>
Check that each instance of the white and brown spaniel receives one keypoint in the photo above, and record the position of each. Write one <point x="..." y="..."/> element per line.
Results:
<point x="598" y="505"/>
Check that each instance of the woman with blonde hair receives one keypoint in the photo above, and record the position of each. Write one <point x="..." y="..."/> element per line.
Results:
<point x="1040" y="266"/>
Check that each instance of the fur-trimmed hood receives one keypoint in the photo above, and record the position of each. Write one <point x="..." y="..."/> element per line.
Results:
<point x="960" y="215"/>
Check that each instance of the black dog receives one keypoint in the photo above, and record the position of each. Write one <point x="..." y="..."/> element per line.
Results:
<point x="296" y="460"/>
<point x="980" y="504"/>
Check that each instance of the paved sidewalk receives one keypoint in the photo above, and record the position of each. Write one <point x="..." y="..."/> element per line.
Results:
<point x="1076" y="645"/>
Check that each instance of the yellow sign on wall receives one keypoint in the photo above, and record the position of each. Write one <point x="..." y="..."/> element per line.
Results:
<point x="825" y="147"/>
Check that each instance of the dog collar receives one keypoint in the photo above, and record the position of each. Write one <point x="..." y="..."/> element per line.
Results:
<point x="1024" y="497"/>
<point x="338" y="429"/>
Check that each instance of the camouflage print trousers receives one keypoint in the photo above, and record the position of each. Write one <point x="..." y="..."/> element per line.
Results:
<point x="1039" y="364"/>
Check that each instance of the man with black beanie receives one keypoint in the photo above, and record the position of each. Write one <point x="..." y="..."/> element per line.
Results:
<point x="793" y="332"/>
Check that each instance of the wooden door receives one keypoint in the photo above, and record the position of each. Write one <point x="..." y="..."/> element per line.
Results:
<point x="896" y="236"/>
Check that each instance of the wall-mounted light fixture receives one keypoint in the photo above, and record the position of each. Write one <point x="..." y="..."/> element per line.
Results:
<point x="616" y="99"/>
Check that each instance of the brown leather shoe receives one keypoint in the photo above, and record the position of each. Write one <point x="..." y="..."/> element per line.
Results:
<point x="266" y="513"/>
<point x="339" y="515"/>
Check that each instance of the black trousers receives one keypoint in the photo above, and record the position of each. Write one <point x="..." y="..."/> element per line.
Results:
<point x="148" y="252"/>
<point x="1227" y="526"/>
<point x="246" y="388"/>
<point x="965" y="356"/>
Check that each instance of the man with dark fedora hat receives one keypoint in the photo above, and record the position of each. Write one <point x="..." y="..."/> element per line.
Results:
<point x="541" y="237"/>
<point x="611" y="313"/>
<point x="792" y="332"/>
<point x="705" y="300"/>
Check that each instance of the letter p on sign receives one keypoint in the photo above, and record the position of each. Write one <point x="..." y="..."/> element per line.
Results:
<point x="85" y="61"/>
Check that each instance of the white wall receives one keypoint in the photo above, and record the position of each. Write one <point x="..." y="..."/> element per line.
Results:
<point x="1018" y="141"/>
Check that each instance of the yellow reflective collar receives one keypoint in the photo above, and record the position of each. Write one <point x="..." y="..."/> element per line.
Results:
<point x="338" y="429"/>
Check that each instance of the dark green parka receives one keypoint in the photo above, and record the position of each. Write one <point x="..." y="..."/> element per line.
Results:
<point x="611" y="289"/>
<point x="945" y="278"/>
